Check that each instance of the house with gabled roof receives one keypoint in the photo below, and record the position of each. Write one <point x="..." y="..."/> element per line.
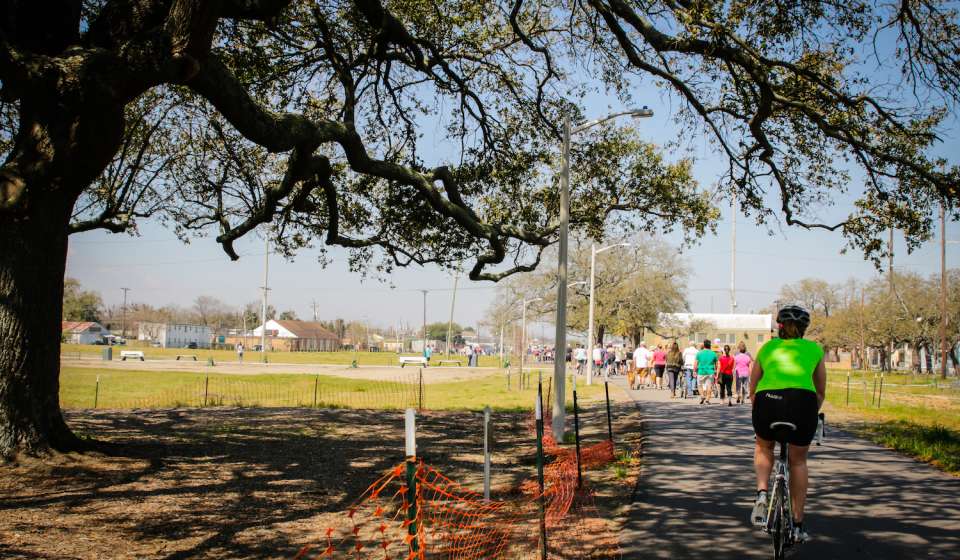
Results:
<point x="297" y="336"/>
<point x="82" y="332"/>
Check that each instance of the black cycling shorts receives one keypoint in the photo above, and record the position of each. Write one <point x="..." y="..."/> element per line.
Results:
<point x="797" y="406"/>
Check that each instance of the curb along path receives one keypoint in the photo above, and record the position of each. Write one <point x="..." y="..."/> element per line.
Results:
<point x="697" y="486"/>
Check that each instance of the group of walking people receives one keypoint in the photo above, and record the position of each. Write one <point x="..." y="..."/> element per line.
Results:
<point x="703" y="370"/>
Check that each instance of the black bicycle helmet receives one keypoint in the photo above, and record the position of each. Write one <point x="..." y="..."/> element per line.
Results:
<point x="794" y="313"/>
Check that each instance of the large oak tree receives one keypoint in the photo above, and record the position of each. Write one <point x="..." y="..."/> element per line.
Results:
<point x="307" y="118"/>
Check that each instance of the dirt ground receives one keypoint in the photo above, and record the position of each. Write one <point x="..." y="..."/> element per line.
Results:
<point x="431" y="374"/>
<point x="255" y="483"/>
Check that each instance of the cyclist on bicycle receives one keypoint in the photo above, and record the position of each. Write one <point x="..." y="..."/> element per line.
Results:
<point x="788" y="383"/>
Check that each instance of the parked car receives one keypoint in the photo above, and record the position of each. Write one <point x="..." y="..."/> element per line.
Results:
<point x="192" y="346"/>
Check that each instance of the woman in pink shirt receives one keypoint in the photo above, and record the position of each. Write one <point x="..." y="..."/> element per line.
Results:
<point x="659" y="364"/>
<point x="741" y="366"/>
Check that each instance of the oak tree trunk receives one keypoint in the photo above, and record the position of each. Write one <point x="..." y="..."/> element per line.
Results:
<point x="33" y="252"/>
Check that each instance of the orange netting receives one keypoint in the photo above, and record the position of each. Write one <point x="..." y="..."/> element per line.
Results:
<point x="446" y="520"/>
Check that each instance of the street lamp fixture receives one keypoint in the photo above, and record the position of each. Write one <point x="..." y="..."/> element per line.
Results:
<point x="559" y="366"/>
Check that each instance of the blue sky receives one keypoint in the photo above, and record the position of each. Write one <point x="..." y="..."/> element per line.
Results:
<point x="159" y="269"/>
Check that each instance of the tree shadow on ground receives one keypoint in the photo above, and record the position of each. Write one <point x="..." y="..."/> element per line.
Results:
<point x="696" y="491"/>
<point x="231" y="482"/>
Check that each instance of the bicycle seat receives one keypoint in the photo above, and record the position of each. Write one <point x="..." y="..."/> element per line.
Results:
<point x="781" y="430"/>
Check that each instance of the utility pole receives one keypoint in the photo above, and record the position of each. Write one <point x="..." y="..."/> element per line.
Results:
<point x="889" y="359"/>
<point x="943" y="289"/>
<point x="890" y="260"/>
<point x="123" y="315"/>
<point x="263" y="308"/>
<point x="314" y="306"/>
<point x="501" y="345"/>
<point x="424" y="320"/>
<point x="453" y="302"/>
<point x="733" y="253"/>
<point x="864" y="363"/>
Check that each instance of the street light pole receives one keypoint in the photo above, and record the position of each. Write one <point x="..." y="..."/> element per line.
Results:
<point x="733" y="254"/>
<point x="424" y="322"/>
<point x="593" y="266"/>
<point x="560" y="342"/>
<point x="943" y="289"/>
<point x="263" y="309"/>
<point x="453" y="303"/>
<point x="523" y="333"/>
<point x="123" y="315"/>
<point x="560" y="338"/>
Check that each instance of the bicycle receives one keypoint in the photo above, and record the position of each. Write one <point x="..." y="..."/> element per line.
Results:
<point x="780" y="508"/>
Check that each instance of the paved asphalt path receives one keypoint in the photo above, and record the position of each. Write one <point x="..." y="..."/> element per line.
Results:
<point x="697" y="486"/>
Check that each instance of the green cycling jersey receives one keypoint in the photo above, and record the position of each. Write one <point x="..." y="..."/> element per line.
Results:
<point x="788" y="364"/>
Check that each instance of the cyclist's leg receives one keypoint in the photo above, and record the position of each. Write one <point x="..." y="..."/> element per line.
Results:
<point x="797" y="457"/>
<point x="763" y="463"/>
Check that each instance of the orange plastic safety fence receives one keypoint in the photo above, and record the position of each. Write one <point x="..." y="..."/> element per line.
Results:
<point x="455" y="523"/>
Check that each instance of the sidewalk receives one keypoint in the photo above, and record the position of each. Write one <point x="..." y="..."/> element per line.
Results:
<point x="697" y="487"/>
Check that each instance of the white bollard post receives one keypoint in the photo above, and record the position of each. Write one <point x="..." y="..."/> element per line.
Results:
<point x="486" y="453"/>
<point x="410" y="421"/>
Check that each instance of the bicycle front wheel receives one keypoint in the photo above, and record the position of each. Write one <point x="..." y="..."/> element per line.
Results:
<point x="778" y="525"/>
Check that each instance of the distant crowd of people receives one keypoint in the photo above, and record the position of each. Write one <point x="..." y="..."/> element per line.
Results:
<point x="471" y="351"/>
<point x="705" y="370"/>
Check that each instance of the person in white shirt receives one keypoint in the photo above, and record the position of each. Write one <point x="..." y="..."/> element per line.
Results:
<point x="597" y="357"/>
<point x="580" y="355"/>
<point x="689" y="361"/>
<point x="642" y="357"/>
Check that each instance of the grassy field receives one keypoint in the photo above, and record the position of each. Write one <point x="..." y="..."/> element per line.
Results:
<point x="92" y="352"/>
<point x="122" y="389"/>
<point x="917" y="415"/>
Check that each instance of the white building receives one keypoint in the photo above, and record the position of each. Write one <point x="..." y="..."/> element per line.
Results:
<point x="297" y="336"/>
<point x="729" y="328"/>
<point x="169" y="335"/>
<point x="82" y="332"/>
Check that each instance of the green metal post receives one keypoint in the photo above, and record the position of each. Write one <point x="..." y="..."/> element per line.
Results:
<point x="606" y="389"/>
<point x="316" y="387"/>
<point x="96" y="393"/>
<point x="412" y="503"/>
<point x="206" y="390"/>
<point x="576" y="433"/>
<point x="542" y="505"/>
<point x="880" y="396"/>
